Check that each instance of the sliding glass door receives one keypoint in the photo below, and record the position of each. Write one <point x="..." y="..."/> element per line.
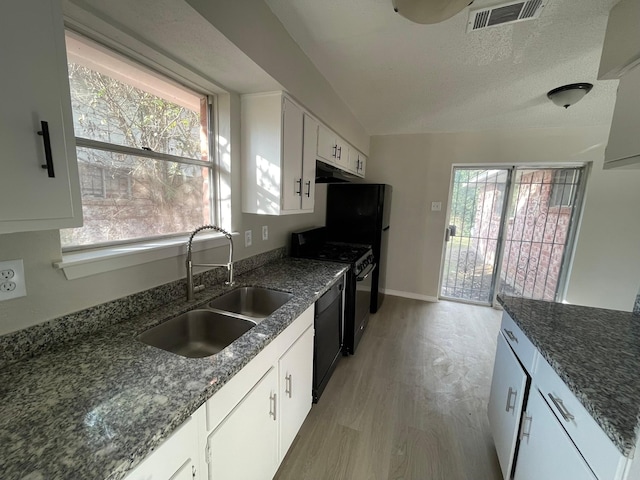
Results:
<point x="515" y="221"/>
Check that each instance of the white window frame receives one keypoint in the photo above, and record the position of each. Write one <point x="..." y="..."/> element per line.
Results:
<point x="83" y="261"/>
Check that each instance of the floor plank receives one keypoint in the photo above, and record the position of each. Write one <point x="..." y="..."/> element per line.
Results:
<point x="410" y="405"/>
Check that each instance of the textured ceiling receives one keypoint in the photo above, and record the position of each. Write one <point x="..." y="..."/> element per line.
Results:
<point x="401" y="77"/>
<point x="176" y="30"/>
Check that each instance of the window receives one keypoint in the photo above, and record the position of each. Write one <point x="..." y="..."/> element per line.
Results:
<point x="143" y="147"/>
<point x="563" y="188"/>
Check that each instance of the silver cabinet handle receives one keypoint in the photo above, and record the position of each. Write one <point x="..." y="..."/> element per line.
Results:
<point x="308" y="189"/>
<point x="515" y="396"/>
<point x="561" y="408"/>
<point x="299" y="188"/>
<point x="523" y="426"/>
<point x="335" y="151"/>
<point x="272" y="405"/>
<point x="339" y="152"/>
<point x="511" y="336"/>
<point x="287" y="387"/>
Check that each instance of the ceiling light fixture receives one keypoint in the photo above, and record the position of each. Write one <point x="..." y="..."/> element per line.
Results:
<point x="429" y="11"/>
<point x="567" y="95"/>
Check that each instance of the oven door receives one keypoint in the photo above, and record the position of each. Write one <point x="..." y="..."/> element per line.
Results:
<point x="362" y="303"/>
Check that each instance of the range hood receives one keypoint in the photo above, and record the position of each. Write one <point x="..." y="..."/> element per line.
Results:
<point x="326" y="173"/>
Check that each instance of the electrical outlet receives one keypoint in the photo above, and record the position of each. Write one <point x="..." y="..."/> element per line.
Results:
<point x="436" y="206"/>
<point x="12" y="282"/>
<point x="265" y="232"/>
<point x="7" y="286"/>
<point x="247" y="238"/>
<point x="7" y="274"/>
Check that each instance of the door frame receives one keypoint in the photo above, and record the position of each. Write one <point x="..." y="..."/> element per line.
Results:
<point x="574" y="227"/>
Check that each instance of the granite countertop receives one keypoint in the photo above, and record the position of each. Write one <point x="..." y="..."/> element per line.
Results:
<point x="95" y="408"/>
<point x="596" y="352"/>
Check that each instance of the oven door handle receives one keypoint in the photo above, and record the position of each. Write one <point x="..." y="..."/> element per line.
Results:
<point x="363" y="276"/>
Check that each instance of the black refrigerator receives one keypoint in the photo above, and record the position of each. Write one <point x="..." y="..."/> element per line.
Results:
<point x="359" y="213"/>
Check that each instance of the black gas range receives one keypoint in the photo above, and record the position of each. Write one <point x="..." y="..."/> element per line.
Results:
<point x="314" y="244"/>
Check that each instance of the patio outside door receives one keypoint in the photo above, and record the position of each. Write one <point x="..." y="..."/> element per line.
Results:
<point x="519" y="222"/>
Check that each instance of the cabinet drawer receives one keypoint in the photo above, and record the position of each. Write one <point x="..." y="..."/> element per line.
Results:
<point x="600" y="453"/>
<point x="523" y="348"/>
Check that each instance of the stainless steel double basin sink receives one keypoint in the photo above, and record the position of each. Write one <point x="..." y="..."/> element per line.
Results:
<point x="206" y="331"/>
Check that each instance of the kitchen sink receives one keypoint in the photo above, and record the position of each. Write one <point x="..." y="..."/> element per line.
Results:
<point x="252" y="302"/>
<point x="196" y="334"/>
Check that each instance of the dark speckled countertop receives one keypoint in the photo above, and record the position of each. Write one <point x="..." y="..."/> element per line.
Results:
<point x="95" y="408"/>
<point x="596" y="352"/>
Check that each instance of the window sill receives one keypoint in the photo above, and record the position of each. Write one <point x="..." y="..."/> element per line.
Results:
<point x="92" y="262"/>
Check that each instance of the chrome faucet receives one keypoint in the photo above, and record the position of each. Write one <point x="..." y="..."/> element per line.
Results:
<point x="191" y="289"/>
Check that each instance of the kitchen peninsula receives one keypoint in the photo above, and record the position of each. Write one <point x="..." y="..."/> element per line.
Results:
<point x="585" y="363"/>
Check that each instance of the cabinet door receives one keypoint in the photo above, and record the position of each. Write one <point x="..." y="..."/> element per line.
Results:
<point x="362" y="167"/>
<point x="623" y="148"/>
<point x="296" y="382"/>
<point x="327" y="145"/>
<point x="244" y="446"/>
<point x="505" y="403"/>
<point x="175" y="459"/>
<point x="291" y="155"/>
<point x="310" y="146"/>
<point x="546" y="451"/>
<point x="35" y="89"/>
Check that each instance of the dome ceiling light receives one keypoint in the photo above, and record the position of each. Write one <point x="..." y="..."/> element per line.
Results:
<point x="567" y="95"/>
<point x="429" y="11"/>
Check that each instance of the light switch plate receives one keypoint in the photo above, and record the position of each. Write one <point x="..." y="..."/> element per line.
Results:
<point x="12" y="283"/>
<point x="265" y="232"/>
<point x="247" y="238"/>
<point x="436" y="206"/>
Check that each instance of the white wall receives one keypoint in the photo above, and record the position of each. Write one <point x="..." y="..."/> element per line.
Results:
<point x="606" y="269"/>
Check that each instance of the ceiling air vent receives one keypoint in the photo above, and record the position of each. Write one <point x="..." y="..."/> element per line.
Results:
<point x="504" y="13"/>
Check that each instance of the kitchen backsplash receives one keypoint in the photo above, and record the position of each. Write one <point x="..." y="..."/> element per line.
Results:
<point x="45" y="336"/>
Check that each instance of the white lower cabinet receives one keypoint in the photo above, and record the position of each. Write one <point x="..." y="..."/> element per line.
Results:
<point x="244" y="446"/>
<point x="546" y="451"/>
<point x="296" y="382"/>
<point x="175" y="459"/>
<point x="508" y="390"/>
<point x="554" y="437"/>
<point x="245" y="429"/>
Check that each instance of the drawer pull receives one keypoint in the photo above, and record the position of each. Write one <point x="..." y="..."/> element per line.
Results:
<point x="561" y="408"/>
<point x="287" y="388"/>
<point x="272" y="405"/>
<point x="511" y="336"/>
<point x="514" y="393"/>
<point x="523" y="427"/>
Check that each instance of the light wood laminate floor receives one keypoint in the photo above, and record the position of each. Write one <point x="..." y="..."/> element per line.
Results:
<point x="411" y="404"/>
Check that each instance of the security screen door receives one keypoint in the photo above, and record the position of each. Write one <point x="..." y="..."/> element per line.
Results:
<point x="516" y="221"/>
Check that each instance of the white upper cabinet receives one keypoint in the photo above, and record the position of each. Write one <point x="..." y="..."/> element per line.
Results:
<point x="333" y="149"/>
<point x="274" y="170"/>
<point x="623" y="149"/>
<point x="621" y="49"/>
<point x="35" y="98"/>
<point x="357" y="162"/>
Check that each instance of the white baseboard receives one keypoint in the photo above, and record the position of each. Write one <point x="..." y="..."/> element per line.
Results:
<point x="414" y="296"/>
